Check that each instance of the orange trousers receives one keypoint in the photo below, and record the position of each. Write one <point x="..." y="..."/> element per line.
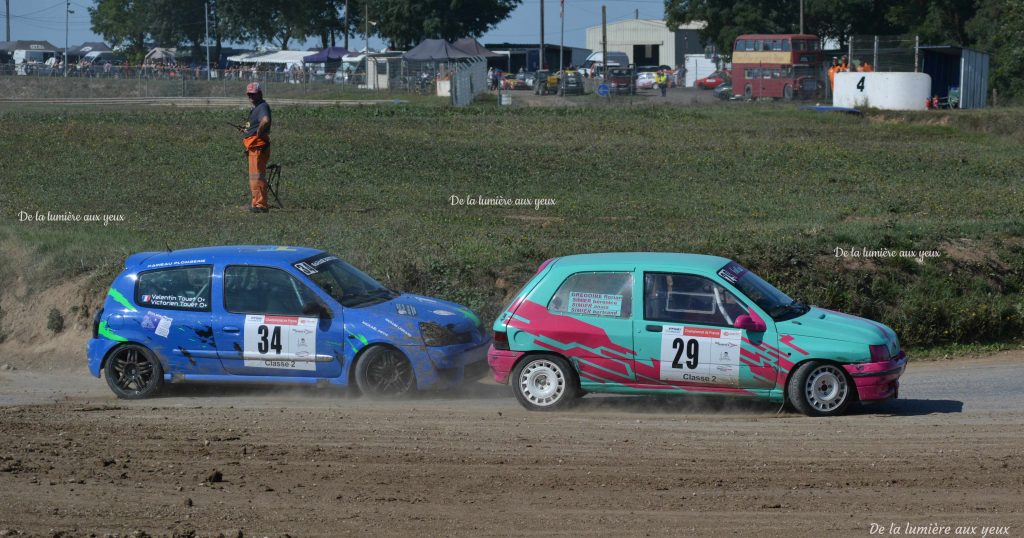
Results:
<point x="258" y="176"/>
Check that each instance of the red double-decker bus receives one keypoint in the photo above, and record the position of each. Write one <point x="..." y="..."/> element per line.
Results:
<point x="777" y="65"/>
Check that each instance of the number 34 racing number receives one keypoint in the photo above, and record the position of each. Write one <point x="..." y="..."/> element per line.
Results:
<point x="700" y="355"/>
<point x="287" y="342"/>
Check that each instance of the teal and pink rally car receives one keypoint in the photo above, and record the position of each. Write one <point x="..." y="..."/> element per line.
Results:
<point x="663" y="323"/>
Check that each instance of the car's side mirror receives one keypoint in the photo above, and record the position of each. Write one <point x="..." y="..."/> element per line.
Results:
<point x="750" y="322"/>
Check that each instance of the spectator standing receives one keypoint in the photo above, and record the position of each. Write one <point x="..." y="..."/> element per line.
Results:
<point x="661" y="79"/>
<point x="832" y="70"/>
<point x="257" y="146"/>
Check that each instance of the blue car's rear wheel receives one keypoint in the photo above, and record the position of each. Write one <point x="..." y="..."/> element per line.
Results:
<point x="133" y="372"/>
<point x="384" y="372"/>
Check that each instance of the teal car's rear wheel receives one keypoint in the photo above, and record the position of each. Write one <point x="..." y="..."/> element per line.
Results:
<point x="820" y="389"/>
<point x="544" y="383"/>
<point x="383" y="372"/>
<point x="133" y="372"/>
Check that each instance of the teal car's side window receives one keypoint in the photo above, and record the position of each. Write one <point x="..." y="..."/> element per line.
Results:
<point x="683" y="298"/>
<point x="180" y="288"/>
<point x="251" y="289"/>
<point x="607" y="295"/>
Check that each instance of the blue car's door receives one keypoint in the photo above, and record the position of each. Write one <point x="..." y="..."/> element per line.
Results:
<point x="272" y="324"/>
<point x="175" y="318"/>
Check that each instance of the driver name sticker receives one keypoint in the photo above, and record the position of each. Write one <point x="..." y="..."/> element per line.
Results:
<point x="595" y="304"/>
<point x="160" y="325"/>
<point x="700" y="355"/>
<point x="164" y="327"/>
<point x="287" y="342"/>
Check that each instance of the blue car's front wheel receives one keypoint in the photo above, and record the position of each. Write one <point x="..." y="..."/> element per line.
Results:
<point x="384" y="372"/>
<point x="133" y="372"/>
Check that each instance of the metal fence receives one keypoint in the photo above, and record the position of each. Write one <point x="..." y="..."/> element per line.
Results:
<point x="884" y="53"/>
<point x="468" y="81"/>
<point x="463" y="80"/>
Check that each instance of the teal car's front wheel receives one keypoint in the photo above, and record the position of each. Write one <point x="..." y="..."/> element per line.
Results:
<point x="544" y="383"/>
<point x="820" y="389"/>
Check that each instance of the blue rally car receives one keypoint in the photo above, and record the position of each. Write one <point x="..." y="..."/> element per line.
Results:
<point x="275" y="314"/>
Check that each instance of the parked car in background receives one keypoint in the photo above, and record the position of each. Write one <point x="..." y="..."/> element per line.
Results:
<point x="667" y="323"/>
<point x="570" y="83"/>
<point x="646" y="80"/>
<point x="595" y="62"/>
<point x="529" y="77"/>
<point x="724" y="92"/>
<point x="622" y="80"/>
<point x="713" y="80"/>
<point x="514" y="81"/>
<point x="269" y="314"/>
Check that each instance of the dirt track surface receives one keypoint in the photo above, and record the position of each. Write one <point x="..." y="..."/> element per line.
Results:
<point x="319" y="463"/>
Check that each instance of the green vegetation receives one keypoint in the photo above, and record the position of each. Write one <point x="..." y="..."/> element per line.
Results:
<point x="777" y="189"/>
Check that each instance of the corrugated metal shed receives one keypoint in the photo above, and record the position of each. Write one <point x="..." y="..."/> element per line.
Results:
<point x="649" y="41"/>
<point x="954" y="68"/>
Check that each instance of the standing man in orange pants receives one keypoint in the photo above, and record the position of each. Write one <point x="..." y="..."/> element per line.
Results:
<point x="257" y="146"/>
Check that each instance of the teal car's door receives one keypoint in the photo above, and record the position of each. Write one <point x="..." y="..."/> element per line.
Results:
<point x="686" y="337"/>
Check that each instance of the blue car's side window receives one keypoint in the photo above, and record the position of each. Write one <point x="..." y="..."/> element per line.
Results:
<point x="179" y="288"/>
<point x="251" y="289"/>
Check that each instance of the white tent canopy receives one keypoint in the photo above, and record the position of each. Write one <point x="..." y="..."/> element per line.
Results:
<point x="286" y="57"/>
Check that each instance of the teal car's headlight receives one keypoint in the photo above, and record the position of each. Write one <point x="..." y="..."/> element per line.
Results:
<point x="435" y="335"/>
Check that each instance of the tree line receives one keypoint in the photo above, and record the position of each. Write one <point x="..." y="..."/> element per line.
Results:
<point x="134" y="24"/>
<point x="993" y="26"/>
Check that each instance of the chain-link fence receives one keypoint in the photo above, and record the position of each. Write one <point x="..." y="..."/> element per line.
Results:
<point x="379" y="74"/>
<point x="469" y="80"/>
<point x="884" y="53"/>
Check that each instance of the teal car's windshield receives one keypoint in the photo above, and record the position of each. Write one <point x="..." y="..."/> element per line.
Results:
<point x="778" y="305"/>
<point x="346" y="284"/>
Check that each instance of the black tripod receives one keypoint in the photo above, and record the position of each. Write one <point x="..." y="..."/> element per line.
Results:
<point x="274" y="183"/>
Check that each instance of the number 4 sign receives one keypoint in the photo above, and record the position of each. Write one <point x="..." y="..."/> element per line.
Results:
<point x="700" y="355"/>
<point x="280" y="342"/>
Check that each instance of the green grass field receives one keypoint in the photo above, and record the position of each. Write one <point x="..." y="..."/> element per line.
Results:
<point x="777" y="189"/>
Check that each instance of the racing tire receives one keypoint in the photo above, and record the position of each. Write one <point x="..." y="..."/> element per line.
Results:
<point x="748" y="91"/>
<point x="787" y="92"/>
<point x="544" y="383"/>
<point x="133" y="372"/>
<point x="384" y="372"/>
<point x="820" y="389"/>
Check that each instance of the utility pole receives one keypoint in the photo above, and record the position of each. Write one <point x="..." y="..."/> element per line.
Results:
<point x="346" y="25"/>
<point x="67" y="14"/>
<point x="801" y="16"/>
<point x="208" y="40"/>
<point x="561" y="41"/>
<point x="366" y="19"/>
<point x="8" y="20"/>
<point x="604" y="40"/>
<point x="541" y="35"/>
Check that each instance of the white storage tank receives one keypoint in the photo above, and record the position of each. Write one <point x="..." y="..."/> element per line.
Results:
<point x="886" y="91"/>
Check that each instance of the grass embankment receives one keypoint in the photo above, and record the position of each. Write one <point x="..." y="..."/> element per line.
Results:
<point x="777" y="189"/>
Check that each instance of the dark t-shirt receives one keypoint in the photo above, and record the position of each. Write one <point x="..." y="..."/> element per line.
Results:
<point x="257" y="114"/>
